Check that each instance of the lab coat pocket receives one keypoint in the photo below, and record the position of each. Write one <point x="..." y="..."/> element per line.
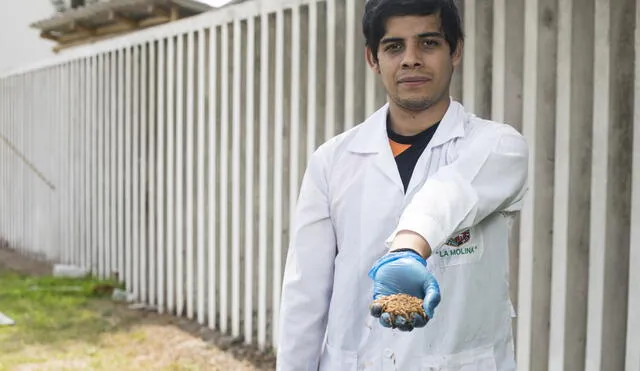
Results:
<point x="481" y="359"/>
<point x="463" y="247"/>
<point x="334" y="358"/>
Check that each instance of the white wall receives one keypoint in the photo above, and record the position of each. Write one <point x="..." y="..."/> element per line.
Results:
<point x="19" y="43"/>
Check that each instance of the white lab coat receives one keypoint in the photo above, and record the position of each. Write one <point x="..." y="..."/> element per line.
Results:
<point x="461" y="198"/>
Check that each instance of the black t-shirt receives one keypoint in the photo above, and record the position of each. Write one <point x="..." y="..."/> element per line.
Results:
<point x="407" y="150"/>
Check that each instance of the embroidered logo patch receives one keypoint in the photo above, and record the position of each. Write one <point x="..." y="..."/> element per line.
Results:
<point x="462" y="248"/>
<point x="460" y="239"/>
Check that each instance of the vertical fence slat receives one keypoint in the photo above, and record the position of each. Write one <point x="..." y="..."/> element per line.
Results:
<point x="108" y="162"/>
<point x="180" y="174"/>
<point x="312" y="73"/>
<point x="611" y="188"/>
<point x="537" y="214"/>
<point x="249" y="183"/>
<point x="171" y="175"/>
<point x="235" y="180"/>
<point x="469" y="55"/>
<point x="99" y="168"/>
<point x="154" y="118"/>
<point x="224" y="180"/>
<point x="633" y="320"/>
<point x="120" y="178"/>
<point x="128" y="173"/>
<point x="330" y="90"/>
<point x="89" y="136"/>
<point x="598" y="243"/>
<point x="349" y="65"/>
<point x="499" y="60"/>
<point x="278" y="171"/>
<point x="135" y="176"/>
<point x="294" y="122"/>
<point x="571" y="189"/>
<point x="557" y="350"/>
<point x="212" y="173"/>
<point x="264" y="172"/>
<point x="190" y="124"/>
<point x="201" y="161"/>
<point x="161" y="164"/>
<point x="143" y="185"/>
<point x="66" y="147"/>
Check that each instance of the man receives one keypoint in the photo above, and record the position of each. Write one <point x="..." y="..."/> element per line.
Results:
<point x="419" y="200"/>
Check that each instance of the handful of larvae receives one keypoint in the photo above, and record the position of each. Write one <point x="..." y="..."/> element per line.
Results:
<point x="401" y="305"/>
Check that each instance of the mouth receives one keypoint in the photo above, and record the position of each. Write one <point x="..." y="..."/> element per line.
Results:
<point x="413" y="80"/>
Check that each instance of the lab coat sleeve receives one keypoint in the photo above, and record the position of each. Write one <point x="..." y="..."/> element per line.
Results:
<point x="308" y="277"/>
<point x="489" y="175"/>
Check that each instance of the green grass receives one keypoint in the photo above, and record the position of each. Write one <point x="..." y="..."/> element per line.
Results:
<point x="49" y="311"/>
<point x="61" y="324"/>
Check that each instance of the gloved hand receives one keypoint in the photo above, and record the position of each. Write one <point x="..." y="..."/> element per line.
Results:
<point x="404" y="272"/>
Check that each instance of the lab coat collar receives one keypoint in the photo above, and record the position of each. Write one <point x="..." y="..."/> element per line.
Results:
<point x="372" y="134"/>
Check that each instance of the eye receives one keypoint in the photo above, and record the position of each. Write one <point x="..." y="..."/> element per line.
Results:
<point x="430" y="43"/>
<point x="394" y="47"/>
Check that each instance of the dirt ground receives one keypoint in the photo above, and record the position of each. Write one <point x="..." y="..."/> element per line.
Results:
<point x="151" y="341"/>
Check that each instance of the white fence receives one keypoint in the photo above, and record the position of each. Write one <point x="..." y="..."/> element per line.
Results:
<point x="173" y="157"/>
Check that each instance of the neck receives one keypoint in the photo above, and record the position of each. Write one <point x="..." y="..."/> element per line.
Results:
<point x="408" y="123"/>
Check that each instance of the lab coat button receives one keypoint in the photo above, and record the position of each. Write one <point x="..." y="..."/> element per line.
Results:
<point x="388" y="353"/>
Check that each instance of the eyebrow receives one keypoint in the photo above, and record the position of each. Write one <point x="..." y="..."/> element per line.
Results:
<point x="389" y="40"/>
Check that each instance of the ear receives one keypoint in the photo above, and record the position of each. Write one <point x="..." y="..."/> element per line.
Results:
<point x="373" y="63"/>
<point x="456" y="57"/>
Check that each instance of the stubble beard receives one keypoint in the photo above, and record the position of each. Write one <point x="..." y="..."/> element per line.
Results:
<point x="414" y="105"/>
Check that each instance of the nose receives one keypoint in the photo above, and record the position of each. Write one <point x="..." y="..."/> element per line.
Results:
<point x="411" y="57"/>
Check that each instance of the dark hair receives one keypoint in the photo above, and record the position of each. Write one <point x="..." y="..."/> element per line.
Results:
<point x="377" y="12"/>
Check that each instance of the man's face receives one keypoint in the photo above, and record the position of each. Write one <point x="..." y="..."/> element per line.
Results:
<point x="415" y="62"/>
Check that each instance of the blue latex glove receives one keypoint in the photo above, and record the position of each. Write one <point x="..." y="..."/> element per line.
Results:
<point x="404" y="272"/>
